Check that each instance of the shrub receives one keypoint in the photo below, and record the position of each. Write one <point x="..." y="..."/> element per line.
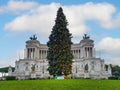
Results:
<point x="103" y="78"/>
<point x="10" y="78"/>
<point x="113" y="78"/>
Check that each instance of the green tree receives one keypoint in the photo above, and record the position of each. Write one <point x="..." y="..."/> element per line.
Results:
<point x="115" y="70"/>
<point x="5" y="69"/>
<point x="59" y="47"/>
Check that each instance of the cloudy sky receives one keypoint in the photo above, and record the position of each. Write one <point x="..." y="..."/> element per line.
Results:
<point x="20" y="19"/>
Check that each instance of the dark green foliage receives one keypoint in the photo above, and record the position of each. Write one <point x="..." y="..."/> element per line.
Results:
<point x="59" y="47"/>
<point x="5" y="69"/>
<point x="115" y="70"/>
<point x="106" y="67"/>
<point x="10" y="77"/>
<point x="113" y="78"/>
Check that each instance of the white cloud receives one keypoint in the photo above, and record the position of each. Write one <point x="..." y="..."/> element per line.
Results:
<point x="41" y="19"/>
<point x="17" y="6"/>
<point x="109" y="45"/>
<point x="114" y="61"/>
<point x="109" y="49"/>
<point x="11" y="61"/>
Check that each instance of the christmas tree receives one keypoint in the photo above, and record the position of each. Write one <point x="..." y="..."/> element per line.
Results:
<point x="59" y="47"/>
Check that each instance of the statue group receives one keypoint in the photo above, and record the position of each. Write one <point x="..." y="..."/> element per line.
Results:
<point x="86" y="36"/>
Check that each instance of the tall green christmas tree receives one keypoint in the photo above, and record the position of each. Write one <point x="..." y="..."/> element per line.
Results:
<point x="59" y="47"/>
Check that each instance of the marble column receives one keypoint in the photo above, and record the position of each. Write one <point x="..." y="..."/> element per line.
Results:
<point x="46" y="54"/>
<point x="79" y="54"/>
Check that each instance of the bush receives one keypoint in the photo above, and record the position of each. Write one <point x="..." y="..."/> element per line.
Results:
<point x="103" y="78"/>
<point x="10" y="78"/>
<point x="112" y="78"/>
<point x="87" y="78"/>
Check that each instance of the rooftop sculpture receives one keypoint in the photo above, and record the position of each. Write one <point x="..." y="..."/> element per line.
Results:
<point x="34" y="37"/>
<point x="86" y="36"/>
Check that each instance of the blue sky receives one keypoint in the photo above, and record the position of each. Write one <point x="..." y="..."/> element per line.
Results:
<point x="19" y="19"/>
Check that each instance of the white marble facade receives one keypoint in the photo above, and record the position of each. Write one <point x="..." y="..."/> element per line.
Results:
<point x="35" y="64"/>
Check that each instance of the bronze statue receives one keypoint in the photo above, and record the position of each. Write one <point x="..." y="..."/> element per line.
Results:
<point x="33" y="67"/>
<point x="34" y="37"/>
<point x="86" y="36"/>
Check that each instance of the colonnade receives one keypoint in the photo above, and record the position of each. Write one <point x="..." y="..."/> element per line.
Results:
<point x="43" y="54"/>
<point x="31" y="53"/>
<point x="88" y="52"/>
<point x="76" y="53"/>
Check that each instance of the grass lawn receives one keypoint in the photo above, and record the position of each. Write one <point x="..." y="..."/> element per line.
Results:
<point x="71" y="84"/>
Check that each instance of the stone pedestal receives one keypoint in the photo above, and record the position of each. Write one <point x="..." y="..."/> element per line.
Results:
<point x="33" y="75"/>
<point x="92" y="72"/>
<point x="86" y="75"/>
<point x="26" y="73"/>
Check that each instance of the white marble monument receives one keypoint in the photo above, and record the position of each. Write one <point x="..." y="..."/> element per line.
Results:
<point x="85" y="64"/>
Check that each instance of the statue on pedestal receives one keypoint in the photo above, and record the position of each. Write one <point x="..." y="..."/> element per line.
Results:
<point x="33" y="68"/>
<point x="34" y="37"/>
<point x="86" y="36"/>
